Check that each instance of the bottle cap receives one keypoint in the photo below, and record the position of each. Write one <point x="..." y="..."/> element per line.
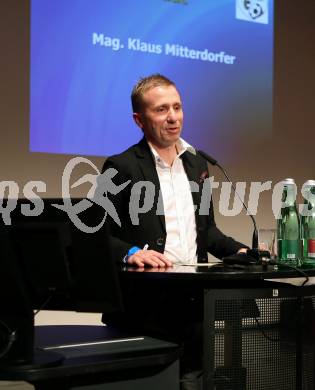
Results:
<point x="308" y="187"/>
<point x="288" y="181"/>
<point x="309" y="183"/>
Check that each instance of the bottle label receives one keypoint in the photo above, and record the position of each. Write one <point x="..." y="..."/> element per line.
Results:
<point x="291" y="249"/>
<point x="311" y="248"/>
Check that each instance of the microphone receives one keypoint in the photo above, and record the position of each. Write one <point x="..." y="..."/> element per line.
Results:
<point x="255" y="254"/>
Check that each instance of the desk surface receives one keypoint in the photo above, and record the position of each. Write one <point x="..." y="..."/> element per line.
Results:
<point x="215" y="272"/>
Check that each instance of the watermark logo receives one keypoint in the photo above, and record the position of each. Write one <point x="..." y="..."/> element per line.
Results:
<point x="141" y="197"/>
<point x="101" y="185"/>
<point x="252" y="10"/>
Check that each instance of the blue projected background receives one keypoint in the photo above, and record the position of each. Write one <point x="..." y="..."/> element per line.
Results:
<point x="86" y="55"/>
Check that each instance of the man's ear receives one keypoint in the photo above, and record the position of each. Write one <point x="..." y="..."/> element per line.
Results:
<point x="137" y="118"/>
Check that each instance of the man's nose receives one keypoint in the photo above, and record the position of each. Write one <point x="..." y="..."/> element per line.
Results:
<point x="171" y="117"/>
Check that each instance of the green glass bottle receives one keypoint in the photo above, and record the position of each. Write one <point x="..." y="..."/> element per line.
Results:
<point x="308" y="224"/>
<point x="289" y="237"/>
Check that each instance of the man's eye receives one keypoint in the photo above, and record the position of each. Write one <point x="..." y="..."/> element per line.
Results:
<point x="161" y="109"/>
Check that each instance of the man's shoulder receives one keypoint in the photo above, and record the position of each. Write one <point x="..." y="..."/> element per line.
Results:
<point x="127" y="158"/>
<point x="125" y="155"/>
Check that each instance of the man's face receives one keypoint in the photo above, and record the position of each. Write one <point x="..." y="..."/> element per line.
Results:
<point x="161" y="117"/>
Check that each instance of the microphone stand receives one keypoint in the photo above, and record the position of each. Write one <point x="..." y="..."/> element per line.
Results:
<point x="261" y="256"/>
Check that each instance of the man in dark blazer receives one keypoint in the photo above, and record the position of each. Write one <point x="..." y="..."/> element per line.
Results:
<point x="157" y="110"/>
<point x="137" y="164"/>
<point x="152" y="232"/>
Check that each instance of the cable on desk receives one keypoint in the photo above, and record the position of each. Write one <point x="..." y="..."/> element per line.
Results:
<point x="9" y="338"/>
<point x="298" y="270"/>
<point x="264" y="333"/>
<point x="42" y="307"/>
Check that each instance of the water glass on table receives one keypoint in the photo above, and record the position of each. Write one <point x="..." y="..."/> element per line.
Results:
<point x="267" y="239"/>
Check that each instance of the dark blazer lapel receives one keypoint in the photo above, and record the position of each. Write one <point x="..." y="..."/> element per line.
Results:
<point x="147" y="166"/>
<point x="192" y="168"/>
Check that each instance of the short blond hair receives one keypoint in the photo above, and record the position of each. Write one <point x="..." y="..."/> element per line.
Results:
<point x="143" y="85"/>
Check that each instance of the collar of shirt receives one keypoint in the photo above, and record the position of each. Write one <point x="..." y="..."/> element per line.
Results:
<point x="181" y="145"/>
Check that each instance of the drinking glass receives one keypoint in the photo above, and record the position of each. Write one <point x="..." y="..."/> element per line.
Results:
<point x="267" y="239"/>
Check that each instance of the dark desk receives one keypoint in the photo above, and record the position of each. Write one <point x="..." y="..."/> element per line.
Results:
<point x="93" y="358"/>
<point x="258" y="334"/>
<point x="214" y="273"/>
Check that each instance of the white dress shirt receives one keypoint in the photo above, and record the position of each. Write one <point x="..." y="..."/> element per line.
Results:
<point x="181" y="235"/>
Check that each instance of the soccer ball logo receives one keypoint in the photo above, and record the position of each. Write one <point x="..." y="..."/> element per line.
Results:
<point x="252" y="10"/>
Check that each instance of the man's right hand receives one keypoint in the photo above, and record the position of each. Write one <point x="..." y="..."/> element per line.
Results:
<point x="150" y="258"/>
